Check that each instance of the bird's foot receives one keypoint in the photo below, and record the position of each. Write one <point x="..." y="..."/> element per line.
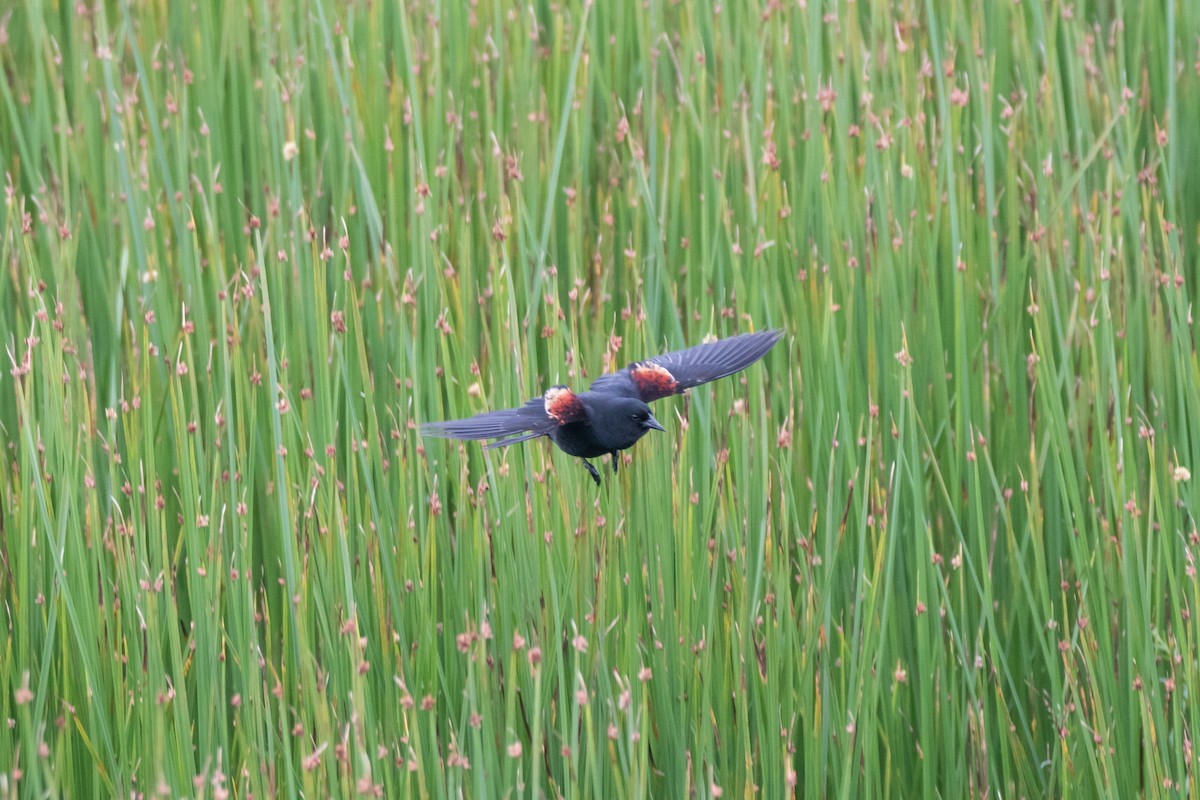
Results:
<point x="614" y="460"/>
<point x="595" y="474"/>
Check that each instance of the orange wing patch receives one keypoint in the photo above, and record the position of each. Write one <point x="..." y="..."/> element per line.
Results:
<point x="563" y="405"/>
<point x="653" y="380"/>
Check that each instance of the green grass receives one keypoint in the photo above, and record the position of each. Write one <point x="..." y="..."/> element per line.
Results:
<point x="939" y="543"/>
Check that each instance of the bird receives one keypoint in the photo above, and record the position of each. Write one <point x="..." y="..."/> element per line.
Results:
<point x="614" y="412"/>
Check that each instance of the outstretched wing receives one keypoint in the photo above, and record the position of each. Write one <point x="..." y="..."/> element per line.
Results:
<point x="538" y="417"/>
<point x="672" y="373"/>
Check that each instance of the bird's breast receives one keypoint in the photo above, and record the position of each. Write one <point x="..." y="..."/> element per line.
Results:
<point x="587" y="440"/>
<point x="578" y="439"/>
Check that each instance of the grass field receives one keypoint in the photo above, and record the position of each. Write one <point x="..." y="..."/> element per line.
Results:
<point x="940" y="542"/>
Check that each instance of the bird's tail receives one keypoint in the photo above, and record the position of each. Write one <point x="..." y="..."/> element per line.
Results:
<point x="530" y="420"/>
<point x="506" y="442"/>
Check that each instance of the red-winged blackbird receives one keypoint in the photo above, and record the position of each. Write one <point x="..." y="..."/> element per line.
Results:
<point x="612" y="414"/>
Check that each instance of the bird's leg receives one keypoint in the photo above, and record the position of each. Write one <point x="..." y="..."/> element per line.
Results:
<point x="592" y="470"/>
<point x="614" y="460"/>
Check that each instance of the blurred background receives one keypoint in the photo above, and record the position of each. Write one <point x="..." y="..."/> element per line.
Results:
<point x="939" y="541"/>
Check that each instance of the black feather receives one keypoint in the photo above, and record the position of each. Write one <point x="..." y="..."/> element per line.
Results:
<point x="494" y="424"/>
<point x="696" y="365"/>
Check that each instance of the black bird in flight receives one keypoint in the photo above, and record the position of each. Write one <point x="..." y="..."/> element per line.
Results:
<point x="612" y="414"/>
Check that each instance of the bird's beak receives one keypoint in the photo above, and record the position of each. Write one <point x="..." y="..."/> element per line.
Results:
<point x="653" y="423"/>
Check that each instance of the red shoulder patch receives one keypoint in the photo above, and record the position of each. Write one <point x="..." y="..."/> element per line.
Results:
<point x="653" y="380"/>
<point x="563" y="405"/>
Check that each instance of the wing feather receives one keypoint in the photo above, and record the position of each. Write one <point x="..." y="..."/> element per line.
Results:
<point x="531" y="417"/>
<point x="672" y="373"/>
<point x="558" y="406"/>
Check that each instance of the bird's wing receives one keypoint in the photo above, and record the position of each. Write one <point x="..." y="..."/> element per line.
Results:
<point x="538" y="417"/>
<point x="672" y="373"/>
<point x="563" y="406"/>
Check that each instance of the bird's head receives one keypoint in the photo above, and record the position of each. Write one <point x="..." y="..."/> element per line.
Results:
<point x="642" y="416"/>
<point x="630" y="421"/>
